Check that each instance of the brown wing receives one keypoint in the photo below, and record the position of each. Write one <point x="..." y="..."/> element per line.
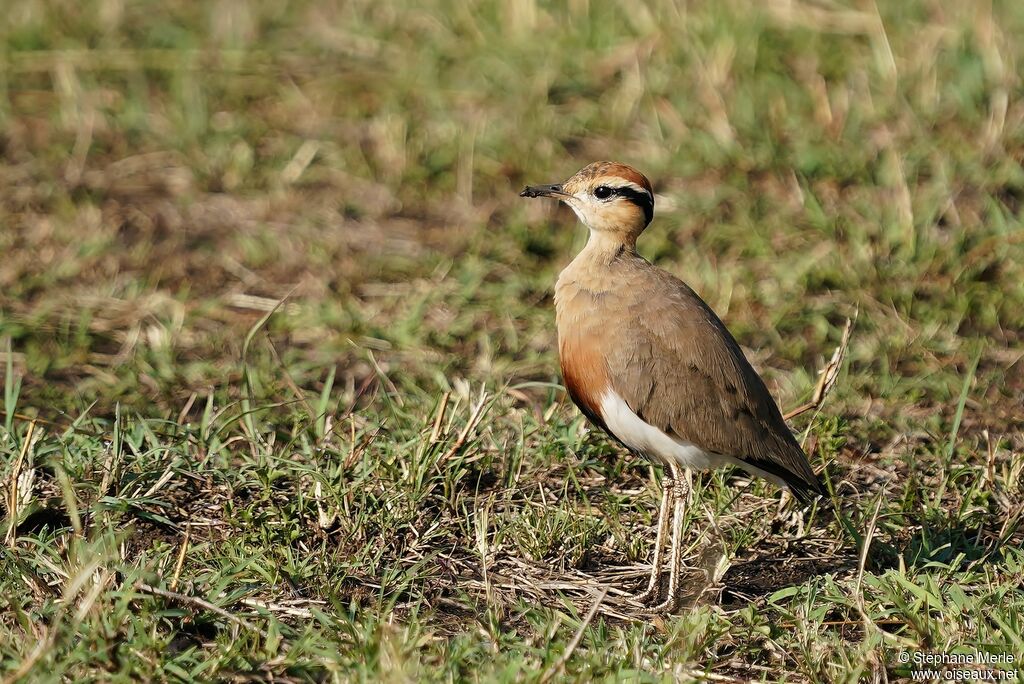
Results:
<point x="677" y="367"/>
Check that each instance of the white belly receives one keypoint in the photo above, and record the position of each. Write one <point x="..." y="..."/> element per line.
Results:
<point x="645" y="438"/>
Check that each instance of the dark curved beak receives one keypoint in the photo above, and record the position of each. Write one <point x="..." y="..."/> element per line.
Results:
<point x="553" y="190"/>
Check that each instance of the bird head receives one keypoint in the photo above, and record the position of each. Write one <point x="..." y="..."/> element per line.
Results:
<point x="608" y="197"/>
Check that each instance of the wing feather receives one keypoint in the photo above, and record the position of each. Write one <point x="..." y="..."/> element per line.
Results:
<point x="677" y="367"/>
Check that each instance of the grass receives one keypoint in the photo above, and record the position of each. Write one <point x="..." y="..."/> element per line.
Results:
<point x="280" y="388"/>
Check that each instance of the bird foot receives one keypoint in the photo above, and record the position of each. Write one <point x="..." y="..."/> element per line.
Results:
<point x="651" y="603"/>
<point x="652" y="595"/>
<point x="647" y="596"/>
<point x="666" y="606"/>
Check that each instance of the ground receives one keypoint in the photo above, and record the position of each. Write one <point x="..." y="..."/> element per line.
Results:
<point x="281" y="396"/>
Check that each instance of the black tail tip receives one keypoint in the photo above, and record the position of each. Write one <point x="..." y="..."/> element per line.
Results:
<point x="807" y="492"/>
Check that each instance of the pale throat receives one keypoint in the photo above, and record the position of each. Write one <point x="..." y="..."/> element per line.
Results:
<point x="588" y="274"/>
<point x="604" y="241"/>
<point x="603" y="244"/>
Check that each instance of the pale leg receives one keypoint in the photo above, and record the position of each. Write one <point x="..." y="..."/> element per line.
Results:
<point x="680" y="492"/>
<point x="654" y="585"/>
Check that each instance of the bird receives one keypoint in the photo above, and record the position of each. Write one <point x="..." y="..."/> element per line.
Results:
<point x="650" y="363"/>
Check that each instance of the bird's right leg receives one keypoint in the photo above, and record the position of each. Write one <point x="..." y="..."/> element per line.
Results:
<point x="680" y="492"/>
<point x="653" y="590"/>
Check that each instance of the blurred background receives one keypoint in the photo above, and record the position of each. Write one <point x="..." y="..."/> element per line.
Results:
<point x="170" y="171"/>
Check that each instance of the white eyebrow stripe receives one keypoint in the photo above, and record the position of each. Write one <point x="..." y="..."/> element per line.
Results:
<point x="623" y="183"/>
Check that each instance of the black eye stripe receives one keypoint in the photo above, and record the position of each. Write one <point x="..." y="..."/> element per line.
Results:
<point x="640" y="198"/>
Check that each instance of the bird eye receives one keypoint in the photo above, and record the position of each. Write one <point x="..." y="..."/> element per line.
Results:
<point x="602" y="192"/>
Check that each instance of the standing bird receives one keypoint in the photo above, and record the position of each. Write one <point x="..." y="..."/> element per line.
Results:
<point x="647" y="361"/>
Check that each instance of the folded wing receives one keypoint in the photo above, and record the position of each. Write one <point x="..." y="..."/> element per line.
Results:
<point x="679" y="369"/>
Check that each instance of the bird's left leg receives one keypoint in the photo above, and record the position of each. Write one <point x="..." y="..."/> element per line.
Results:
<point x="654" y="584"/>
<point x="680" y="492"/>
